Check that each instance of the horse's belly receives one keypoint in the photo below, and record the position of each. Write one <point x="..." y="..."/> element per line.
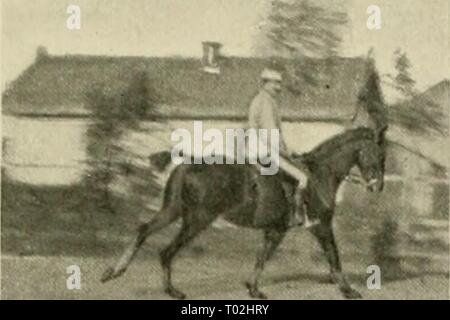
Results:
<point x="238" y="194"/>
<point x="263" y="204"/>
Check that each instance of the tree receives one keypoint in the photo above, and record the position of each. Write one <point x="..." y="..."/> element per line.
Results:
<point x="139" y="100"/>
<point x="301" y="28"/>
<point x="415" y="112"/>
<point x="114" y="114"/>
<point x="101" y="134"/>
<point x="403" y="82"/>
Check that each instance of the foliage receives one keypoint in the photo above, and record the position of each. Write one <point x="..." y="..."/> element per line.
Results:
<point x="385" y="249"/>
<point x="422" y="117"/>
<point x="114" y="115"/>
<point x="415" y="113"/>
<point x="403" y="80"/>
<point x="302" y="28"/>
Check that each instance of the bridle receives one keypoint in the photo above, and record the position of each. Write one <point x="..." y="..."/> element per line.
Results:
<point x="353" y="178"/>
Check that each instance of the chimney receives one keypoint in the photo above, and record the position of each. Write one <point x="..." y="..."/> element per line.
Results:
<point x="41" y="53"/>
<point x="211" y="55"/>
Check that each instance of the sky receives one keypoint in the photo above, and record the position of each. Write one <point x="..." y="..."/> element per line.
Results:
<point x="177" y="27"/>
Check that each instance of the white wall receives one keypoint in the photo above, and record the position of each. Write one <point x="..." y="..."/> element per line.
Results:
<point x="39" y="151"/>
<point x="52" y="152"/>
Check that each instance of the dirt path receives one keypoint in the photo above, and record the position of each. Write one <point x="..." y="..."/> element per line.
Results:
<point x="201" y="278"/>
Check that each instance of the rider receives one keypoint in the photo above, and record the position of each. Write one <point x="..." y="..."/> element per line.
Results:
<point x="264" y="113"/>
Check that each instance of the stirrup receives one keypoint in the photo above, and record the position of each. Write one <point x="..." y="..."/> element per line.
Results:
<point x="310" y="223"/>
<point x="296" y="221"/>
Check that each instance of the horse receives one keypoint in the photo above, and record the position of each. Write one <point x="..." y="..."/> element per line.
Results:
<point x="200" y="193"/>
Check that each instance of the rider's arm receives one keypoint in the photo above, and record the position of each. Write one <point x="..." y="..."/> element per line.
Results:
<point x="269" y="119"/>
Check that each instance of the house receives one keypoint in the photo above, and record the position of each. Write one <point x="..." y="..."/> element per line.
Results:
<point x="421" y="166"/>
<point x="423" y="157"/>
<point x="57" y="85"/>
<point x="45" y="116"/>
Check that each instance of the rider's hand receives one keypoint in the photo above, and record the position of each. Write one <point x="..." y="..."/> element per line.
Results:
<point x="303" y="182"/>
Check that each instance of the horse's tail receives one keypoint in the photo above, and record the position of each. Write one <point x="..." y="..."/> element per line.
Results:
<point x="160" y="160"/>
<point x="171" y="210"/>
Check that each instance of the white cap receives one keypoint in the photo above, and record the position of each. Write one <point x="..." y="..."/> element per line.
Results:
<point x="269" y="74"/>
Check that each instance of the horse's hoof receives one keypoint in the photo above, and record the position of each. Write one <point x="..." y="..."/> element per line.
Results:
<point x="107" y="275"/>
<point x="254" y="292"/>
<point x="351" y="293"/>
<point x="174" y="293"/>
<point x="110" y="274"/>
<point x="333" y="278"/>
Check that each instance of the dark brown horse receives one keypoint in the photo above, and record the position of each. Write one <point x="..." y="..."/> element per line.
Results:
<point x="198" y="194"/>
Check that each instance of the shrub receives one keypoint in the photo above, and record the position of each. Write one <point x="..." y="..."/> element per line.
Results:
<point x="114" y="114"/>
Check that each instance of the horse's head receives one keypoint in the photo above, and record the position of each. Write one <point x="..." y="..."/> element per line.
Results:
<point x="371" y="159"/>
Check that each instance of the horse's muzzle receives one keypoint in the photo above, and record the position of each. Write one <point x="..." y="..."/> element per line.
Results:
<point x="374" y="185"/>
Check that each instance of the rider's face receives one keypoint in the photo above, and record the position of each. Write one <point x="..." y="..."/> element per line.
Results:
<point x="273" y="87"/>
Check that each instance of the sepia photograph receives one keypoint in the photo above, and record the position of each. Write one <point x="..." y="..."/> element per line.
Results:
<point x="225" y="150"/>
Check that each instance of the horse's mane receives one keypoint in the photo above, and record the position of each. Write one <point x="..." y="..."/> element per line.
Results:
<point x="325" y="149"/>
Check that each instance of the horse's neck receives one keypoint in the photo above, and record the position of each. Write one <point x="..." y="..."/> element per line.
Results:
<point x="343" y="162"/>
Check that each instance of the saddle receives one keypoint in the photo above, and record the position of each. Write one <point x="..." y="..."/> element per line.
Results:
<point x="273" y="189"/>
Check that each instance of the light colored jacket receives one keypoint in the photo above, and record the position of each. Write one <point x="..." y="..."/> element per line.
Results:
<point x="264" y="113"/>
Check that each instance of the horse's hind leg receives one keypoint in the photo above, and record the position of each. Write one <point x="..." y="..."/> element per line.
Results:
<point x="161" y="220"/>
<point x="272" y="239"/>
<point x="189" y="230"/>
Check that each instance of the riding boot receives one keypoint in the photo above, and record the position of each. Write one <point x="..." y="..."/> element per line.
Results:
<point x="301" y="210"/>
<point x="289" y="191"/>
<point x="297" y="217"/>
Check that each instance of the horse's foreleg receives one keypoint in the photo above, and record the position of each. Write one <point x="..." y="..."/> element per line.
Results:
<point x="272" y="239"/>
<point x="161" y="220"/>
<point x="324" y="234"/>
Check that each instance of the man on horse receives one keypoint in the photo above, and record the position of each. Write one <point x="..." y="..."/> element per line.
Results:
<point x="264" y="113"/>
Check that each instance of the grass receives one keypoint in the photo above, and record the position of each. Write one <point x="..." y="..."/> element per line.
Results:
<point x="57" y="220"/>
<point x="45" y="220"/>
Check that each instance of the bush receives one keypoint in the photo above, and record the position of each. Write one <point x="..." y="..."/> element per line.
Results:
<point x="385" y="249"/>
<point x="115" y="114"/>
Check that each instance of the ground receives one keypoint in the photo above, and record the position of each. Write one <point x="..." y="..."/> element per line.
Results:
<point x="213" y="267"/>
<point x="45" y="230"/>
